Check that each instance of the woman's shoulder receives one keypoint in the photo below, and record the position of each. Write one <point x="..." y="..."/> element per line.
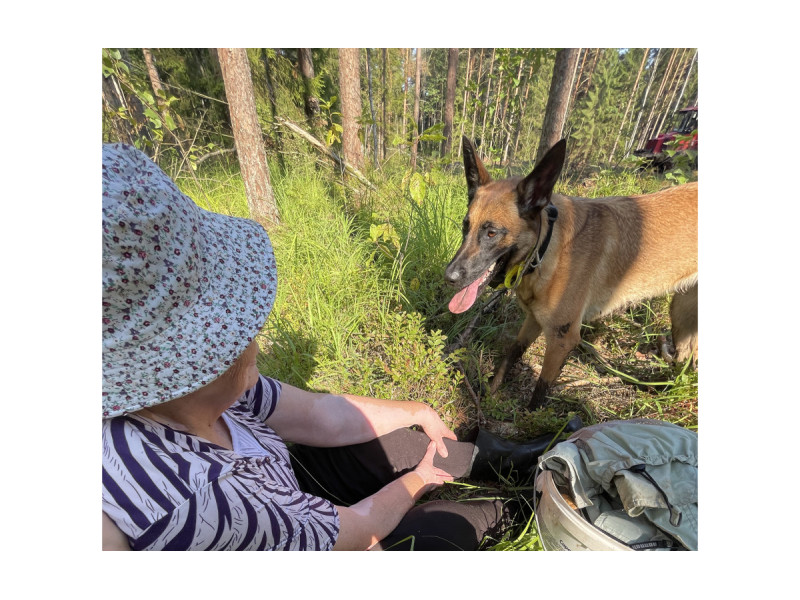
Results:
<point x="262" y="398"/>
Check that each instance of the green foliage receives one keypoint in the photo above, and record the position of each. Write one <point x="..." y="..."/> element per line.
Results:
<point x="595" y="121"/>
<point x="684" y="162"/>
<point x="333" y="130"/>
<point x="154" y="117"/>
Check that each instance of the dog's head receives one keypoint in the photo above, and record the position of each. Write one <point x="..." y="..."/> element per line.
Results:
<point x="502" y="222"/>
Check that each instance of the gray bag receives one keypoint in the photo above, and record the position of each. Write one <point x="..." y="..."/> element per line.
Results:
<point x="635" y="480"/>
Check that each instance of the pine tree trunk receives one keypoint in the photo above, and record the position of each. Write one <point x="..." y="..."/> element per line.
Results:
<point x="555" y="114"/>
<point x="152" y="72"/>
<point x="158" y="91"/>
<point x="310" y="100"/>
<point x="350" y="93"/>
<point x="418" y="79"/>
<point x="273" y="104"/>
<point x="247" y="135"/>
<point x="449" y="100"/>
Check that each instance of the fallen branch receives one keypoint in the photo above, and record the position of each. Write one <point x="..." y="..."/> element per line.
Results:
<point x="212" y="154"/>
<point x="582" y="382"/>
<point x="343" y="164"/>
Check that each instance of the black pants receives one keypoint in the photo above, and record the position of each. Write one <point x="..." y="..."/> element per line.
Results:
<point x="349" y="474"/>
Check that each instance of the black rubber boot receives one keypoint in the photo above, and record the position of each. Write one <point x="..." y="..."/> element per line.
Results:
<point x="495" y="457"/>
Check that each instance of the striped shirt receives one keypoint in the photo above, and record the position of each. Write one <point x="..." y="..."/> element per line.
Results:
<point x="170" y="490"/>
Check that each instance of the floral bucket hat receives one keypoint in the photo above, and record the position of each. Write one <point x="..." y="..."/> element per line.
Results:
<point x="185" y="290"/>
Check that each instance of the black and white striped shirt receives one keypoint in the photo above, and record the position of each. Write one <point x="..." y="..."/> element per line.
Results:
<point x="170" y="490"/>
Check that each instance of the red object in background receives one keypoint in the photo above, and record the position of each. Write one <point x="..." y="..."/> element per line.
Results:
<point x="654" y="149"/>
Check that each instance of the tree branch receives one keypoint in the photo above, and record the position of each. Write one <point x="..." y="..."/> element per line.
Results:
<point x="296" y="129"/>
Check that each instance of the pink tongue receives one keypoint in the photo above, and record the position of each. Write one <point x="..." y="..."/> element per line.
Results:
<point x="466" y="297"/>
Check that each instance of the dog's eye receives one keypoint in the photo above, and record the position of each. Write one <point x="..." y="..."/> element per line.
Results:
<point x="491" y="233"/>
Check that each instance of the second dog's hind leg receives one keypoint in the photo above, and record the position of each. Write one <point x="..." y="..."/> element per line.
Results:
<point x="683" y="314"/>
<point x="528" y="333"/>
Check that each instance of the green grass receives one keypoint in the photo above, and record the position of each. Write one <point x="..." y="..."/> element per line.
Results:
<point x="362" y="307"/>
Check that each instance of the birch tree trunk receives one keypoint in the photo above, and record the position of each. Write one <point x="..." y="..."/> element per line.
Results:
<point x="247" y="135"/>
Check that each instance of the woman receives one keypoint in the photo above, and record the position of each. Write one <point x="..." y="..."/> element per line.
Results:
<point x="194" y="438"/>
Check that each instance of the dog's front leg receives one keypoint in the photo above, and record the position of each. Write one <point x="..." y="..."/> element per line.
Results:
<point x="528" y="333"/>
<point x="560" y="342"/>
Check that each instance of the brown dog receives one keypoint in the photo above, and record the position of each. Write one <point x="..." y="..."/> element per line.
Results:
<point x="585" y="257"/>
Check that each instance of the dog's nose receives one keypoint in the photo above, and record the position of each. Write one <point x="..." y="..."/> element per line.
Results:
<point x="452" y="275"/>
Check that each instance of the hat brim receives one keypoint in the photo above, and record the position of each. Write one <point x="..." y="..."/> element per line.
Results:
<point x="206" y="338"/>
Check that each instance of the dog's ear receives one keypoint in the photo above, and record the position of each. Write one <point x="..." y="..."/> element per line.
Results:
<point x="477" y="175"/>
<point x="533" y="192"/>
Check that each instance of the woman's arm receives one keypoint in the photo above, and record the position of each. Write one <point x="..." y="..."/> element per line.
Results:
<point x="327" y="420"/>
<point x="367" y="522"/>
<point x="113" y="538"/>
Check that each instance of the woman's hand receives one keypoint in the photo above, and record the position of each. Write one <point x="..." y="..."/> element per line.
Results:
<point x="435" y="429"/>
<point x="365" y="523"/>
<point x="432" y="477"/>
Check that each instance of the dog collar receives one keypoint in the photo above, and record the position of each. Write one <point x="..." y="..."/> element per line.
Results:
<point x="518" y="271"/>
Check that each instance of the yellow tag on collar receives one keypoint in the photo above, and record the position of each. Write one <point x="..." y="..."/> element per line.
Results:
<point x="512" y="273"/>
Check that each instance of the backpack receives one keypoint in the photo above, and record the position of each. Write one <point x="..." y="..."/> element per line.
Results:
<point x="632" y="481"/>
